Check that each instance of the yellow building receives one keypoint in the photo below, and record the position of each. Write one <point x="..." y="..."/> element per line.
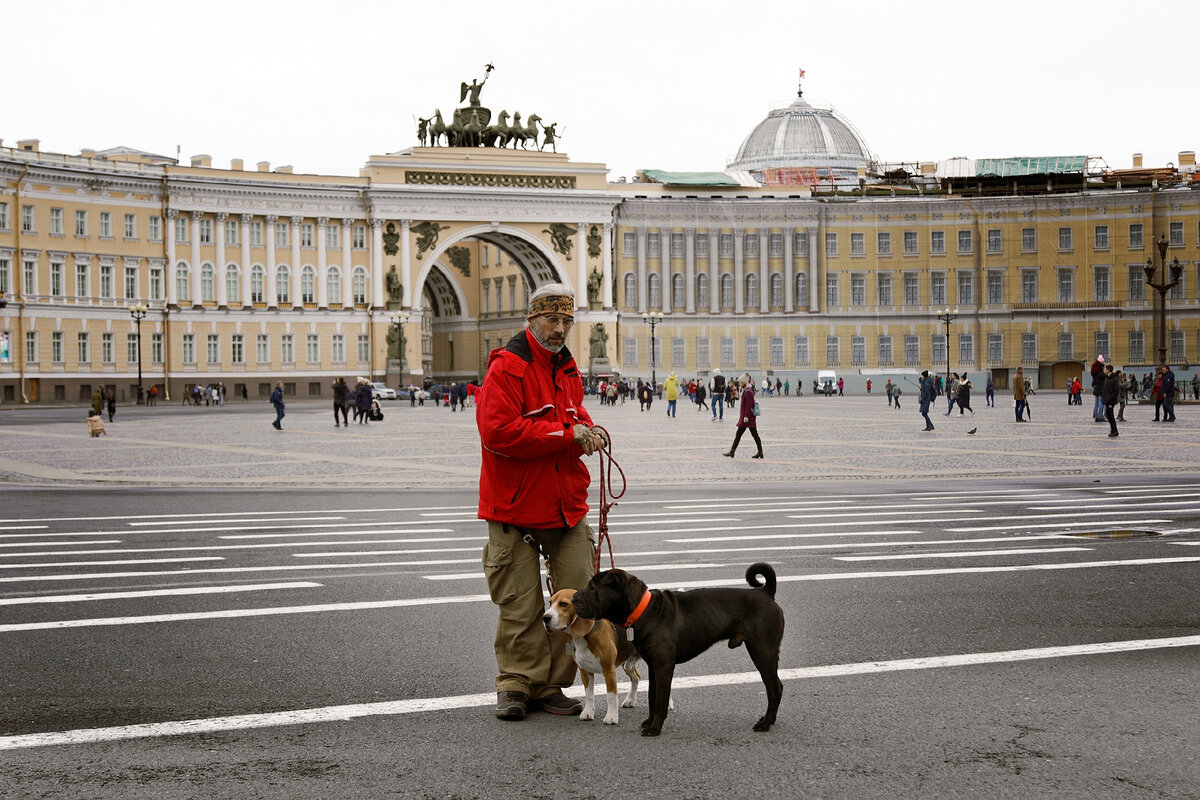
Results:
<point x="805" y="254"/>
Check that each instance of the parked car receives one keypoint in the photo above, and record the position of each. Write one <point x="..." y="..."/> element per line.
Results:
<point x="381" y="391"/>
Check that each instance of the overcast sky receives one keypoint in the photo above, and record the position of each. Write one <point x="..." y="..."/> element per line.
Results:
<point x="635" y="85"/>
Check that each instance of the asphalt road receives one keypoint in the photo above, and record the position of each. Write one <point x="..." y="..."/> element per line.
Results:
<point x="943" y="637"/>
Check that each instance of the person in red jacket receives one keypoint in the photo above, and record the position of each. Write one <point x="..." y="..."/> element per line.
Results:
<point x="533" y="490"/>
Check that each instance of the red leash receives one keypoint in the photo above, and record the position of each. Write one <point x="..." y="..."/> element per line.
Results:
<point x="606" y="492"/>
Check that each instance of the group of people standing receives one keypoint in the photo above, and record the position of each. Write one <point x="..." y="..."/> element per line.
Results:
<point x="361" y="399"/>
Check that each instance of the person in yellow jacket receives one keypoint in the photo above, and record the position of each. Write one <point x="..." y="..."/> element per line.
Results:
<point x="671" y="390"/>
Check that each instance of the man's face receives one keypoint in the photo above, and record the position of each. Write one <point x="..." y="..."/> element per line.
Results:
<point x="551" y="330"/>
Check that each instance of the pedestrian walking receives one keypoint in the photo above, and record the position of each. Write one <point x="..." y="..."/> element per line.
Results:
<point x="701" y="393"/>
<point x="1097" y="371"/>
<point x="362" y="399"/>
<point x="98" y="401"/>
<point x="1168" y="393"/>
<point x="110" y="398"/>
<point x="963" y="398"/>
<point x="1110" y="393"/>
<point x="868" y="385"/>
<point x="276" y="400"/>
<point x="747" y="417"/>
<point x="340" y="390"/>
<point x="1156" y="394"/>
<point x="890" y="390"/>
<point x="927" y="397"/>
<point x="533" y="491"/>
<point x="716" y="387"/>
<point x="951" y="392"/>
<point x="896" y="392"/>
<point x="671" y="390"/>
<point x="989" y="392"/>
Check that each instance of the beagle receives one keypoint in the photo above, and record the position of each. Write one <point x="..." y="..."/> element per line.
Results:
<point x="598" y="649"/>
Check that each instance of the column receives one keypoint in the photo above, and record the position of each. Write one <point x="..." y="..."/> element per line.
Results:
<point x="247" y="296"/>
<point x="322" y="283"/>
<point x="606" y="287"/>
<point x="714" y="270"/>
<point x="169" y="273"/>
<point x="581" y="270"/>
<point x="347" y="262"/>
<point x="689" y="275"/>
<point x="739" y="271"/>
<point x="643" y="289"/>
<point x="219" y="267"/>
<point x="789" y="277"/>
<point x="813" y="292"/>
<point x="297" y="258"/>
<point x="269" y="238"/>
<point x="196" y="291"/>
<point x="406" y="264"/>
<point x="664" y="269"/>
<point x="376" y="299"/>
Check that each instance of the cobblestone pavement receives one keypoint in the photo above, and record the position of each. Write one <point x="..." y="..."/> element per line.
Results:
<point x="805" y="439"/>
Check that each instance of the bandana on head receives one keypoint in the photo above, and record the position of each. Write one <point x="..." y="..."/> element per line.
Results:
<point x="552" y="304"/>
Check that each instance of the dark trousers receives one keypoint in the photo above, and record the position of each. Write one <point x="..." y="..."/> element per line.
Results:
<point x="1108" y="415"/>
<point x="342" y="408"/>
<point x="742" y="429"/>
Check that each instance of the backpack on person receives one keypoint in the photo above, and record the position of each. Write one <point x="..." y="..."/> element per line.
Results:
<point x="718" y="385"/>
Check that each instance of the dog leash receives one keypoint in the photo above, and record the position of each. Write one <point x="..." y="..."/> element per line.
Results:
<point x="608" y="497"/>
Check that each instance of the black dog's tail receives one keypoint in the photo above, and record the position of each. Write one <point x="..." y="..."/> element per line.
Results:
<point x="764" y="571"/>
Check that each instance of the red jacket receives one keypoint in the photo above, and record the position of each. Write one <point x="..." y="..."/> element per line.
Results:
<point x="532" y="474"/>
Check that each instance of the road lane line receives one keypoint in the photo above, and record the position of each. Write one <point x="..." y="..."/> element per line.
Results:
<point x="83" y="576"/>
<point x="78" y="598"/>
<point x="794" y="535"/>
<point x="222" y="547"/>
<point x="23" y="527"/>
<point x="1089" y="524"/>
<point x="111" y="563"/>
<point x="381" y="532"/>
<point x="237" y="514"/>
<point x="283" y="518"/>
<point x="966" y="553"/>
<point x="343" y="713"/>
<point x="55" y="544"/>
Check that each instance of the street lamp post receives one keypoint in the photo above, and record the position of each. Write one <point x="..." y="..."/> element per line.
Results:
<point x="653" y="318"/>
<point x="947" y="316"/>
<point x="399" y="319"/>
<point x="138" y="312"/>
<point x="1160" y="307"/>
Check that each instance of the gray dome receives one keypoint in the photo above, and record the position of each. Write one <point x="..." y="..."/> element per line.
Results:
<point x="803" y="136"/>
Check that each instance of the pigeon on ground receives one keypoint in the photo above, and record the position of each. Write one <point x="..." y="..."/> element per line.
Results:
<point x="972" y="431"/>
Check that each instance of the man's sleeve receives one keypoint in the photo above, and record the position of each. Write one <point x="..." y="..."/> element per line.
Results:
<point x="505" y="429"/>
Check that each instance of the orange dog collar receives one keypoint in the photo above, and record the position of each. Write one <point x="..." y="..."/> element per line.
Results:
<point x="637" y="612"/>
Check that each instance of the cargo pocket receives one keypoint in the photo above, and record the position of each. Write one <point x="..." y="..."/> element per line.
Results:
<point x="502" y="585"/>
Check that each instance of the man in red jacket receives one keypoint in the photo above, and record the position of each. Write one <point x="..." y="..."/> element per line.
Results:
<point x="533" y="489"/>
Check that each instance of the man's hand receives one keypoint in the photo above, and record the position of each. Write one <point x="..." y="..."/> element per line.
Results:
<point x="588" y="440"/>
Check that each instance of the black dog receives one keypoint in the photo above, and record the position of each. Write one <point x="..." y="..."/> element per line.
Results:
<point x="673" y="627"/>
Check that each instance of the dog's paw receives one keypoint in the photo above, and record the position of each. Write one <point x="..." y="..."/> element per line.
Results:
<point x="587" y="714"/>
<point x="651" y="730"/>
<point x="646" y="722"/>
<point x="628" y="703"/>
<point x="762" y="725"/>
<point x="612" y="718"/>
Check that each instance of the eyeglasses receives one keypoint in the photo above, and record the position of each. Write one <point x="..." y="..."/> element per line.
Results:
<point x="554" y="320"/>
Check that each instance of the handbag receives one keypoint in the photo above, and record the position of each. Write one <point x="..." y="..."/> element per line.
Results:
<point x="757" y="410"/>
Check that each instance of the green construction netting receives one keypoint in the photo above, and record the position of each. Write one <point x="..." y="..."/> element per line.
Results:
<point x="689" y="178"/>
<point x="1045" y="165"/>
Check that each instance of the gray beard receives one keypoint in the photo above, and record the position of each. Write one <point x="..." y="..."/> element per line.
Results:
<point x="553" y="348"/>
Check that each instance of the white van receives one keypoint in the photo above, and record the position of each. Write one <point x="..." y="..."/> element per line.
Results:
<point x="827" y="381"/>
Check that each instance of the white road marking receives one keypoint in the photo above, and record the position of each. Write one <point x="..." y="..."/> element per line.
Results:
<point x="229" y="570"/>
<point x="111" y="563"/>
<point x="54" y="544"/>
<point x="236" y="514"/>
<point x="23" y="527"/>
<point x="78" y="598"/>
<point x="965" y="553"/>
<point x="462" y="576"/>
<point x="383" y="532"/>
<point x="1089" y="524"/>
<point x="281" y="525"/>
<point x="794" y="535"/>
<point x="343" y="713"/>
<point x="283" y="519"/>
<point x="335" y="554"/>
<point x="192" y="549"/>
<point x="1153" y="491"/>
<point x="1132" y="505"/>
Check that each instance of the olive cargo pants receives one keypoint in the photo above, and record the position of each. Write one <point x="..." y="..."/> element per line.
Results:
<point x="531" y="659"/>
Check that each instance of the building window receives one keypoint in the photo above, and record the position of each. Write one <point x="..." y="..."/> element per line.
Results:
<point x="232" y="284"/>
<point x="775" y="245"/>
<point x="630" y="292"/>
<point x="629" y="354"/>
<point x="181" y="230"/>
<point x="282" y="284"/>
<point x="937" y="243"/>
<point x="81" y="223"/>
<point x="131" y="292"/>
<point x="652" y="287"/>
<point x="156" y="283"/>
<point x="937" y="288"/>
<point x="702" y="361"/>
<point x="1066" y="347"/>
<point x="883" y="285"/>
<point x="333" y="240"/>
<point x="56" y="347"/>
<point x="629" y="244"/>
<point x="30" y="286"/>
<point x="306" y="235"/>
<point x="831" y="291"/>
<point x="1175" y="352"/>
<point x="1135" y="236"/>
<point x="333" y="286"/>
<point x="1101" y="237"/>
<point x="885" y="351"/>
<point x="702" y="245"/>
<point x="155" y="229"/>
<point x="206" y="283"/>
<point x="726" y="292"/>
<point x="358" y="237"/>
<point x="308" y="284"/>
<point x="81" y="280"/>
<point x="262" y="348"/>
<point x="802" y="300"/>
<point x="911" y="248"/>
<point x="858" y="289"/>
<point x="1100" y="343"/>
<point x="653" y="245"/>
<point x="1028" y="348"/>
<point x="752" y="299"/>
<point x="966" y="349"/>
<point x="833" y="351"/>
<point x="231" y="232"/>
<point x="237" y="353"/>
<point x="752" y="354"/>
<point x="106" y="281"/>
<point x="801" y="343"/>
<point x="287" y="348"/>
<point x="56" y="222"/>
<point x="1066" y="285"/>
<point x="678" y="353"/>
<point x="312" y="348"/>
<point x="966" y="288"/>
<point x="883" y="244"/>
<point x="1176" y="234"/>
<point x="858" y="351"/>
<point x="5" y="266"/>
<point x="858" y="244"/>
<point x="702" y="292"/>
<point x="995" y="348"/>
<point x="1103" y="288"/>
<point x="189" y="348"/>
<point x="281" y="234"/>
<point x="156" y="348"/>
<point x="1066" y="240"/>
<point x="831" y="245"/>
<point x="726" y="246"/>
<point x="966" y="243"/>
<point x="27" y="220"/>
<point x="337" y="348"/>
<point x="56" y="278"/>
<point x="939" y="349"/>
<point x="727" y="352"/>
<point x="776" y="345"/>
<point x="212" y="347"/>
<point x="106" y="224"/>
<point x="995" y="287"/>
<point x="994" y="241"/>
<point x="752" y="245"/>
<point x="801" y="243"/>
<point x="912" y="289"/>
<point x="776" y="290"/>
<point x="1137" y="347"/>
<point x="359" y="285"/>
<point x="31" y="347"/>
<point x="107" y="350"/>
<point x="256" y="234"/>
<point x="1137" y="283"/>
<point x="3" y="216"/>
<point x="678" y="301"/>
<point x="206" y="231"/>
<point x="363" y="347"/>
<point x="1029" y="240"/>
<point x="676" y="245"/>
<point x="1029" y="286"/>
<point x="257" y="282"/>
